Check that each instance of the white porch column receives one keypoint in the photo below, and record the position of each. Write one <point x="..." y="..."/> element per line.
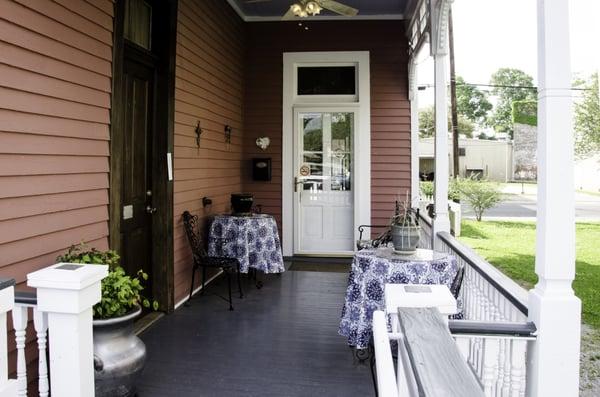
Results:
<point x="553" y="365"/>
<point x="67" y="293"/>
<point x="439" y="50"/>
<point x="413" y="97"/>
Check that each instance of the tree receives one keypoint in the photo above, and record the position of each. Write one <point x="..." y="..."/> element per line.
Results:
<point x="587" y="118"/>
<point x="513" y="85"/>
<point x="471" y="102"/>
<point x="427" y="124"/>
<point x="481" y="195"/>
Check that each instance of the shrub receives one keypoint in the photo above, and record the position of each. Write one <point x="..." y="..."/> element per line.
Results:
<point x="120" y="292"/>
<point x="481" y="195"/>
<point x="427" y="188"/>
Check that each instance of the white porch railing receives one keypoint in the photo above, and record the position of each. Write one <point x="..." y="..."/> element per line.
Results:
<point x="493" y="335"/>
<point x="20" y="316"/>
<point x="63" y="303"/>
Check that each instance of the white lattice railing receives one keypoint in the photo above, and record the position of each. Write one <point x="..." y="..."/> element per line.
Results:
<point x="494" y="334"/>
<point x="426" y="232"/>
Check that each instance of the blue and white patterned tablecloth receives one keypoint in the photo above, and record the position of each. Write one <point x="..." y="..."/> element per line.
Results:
<point x="253" y="240"/>
<point x="371" y="270"/>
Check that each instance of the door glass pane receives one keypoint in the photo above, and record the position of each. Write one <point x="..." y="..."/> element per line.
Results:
<point x="138" y="23"/>
<point x="342" y="130"/>
<point x="313" y="132"/>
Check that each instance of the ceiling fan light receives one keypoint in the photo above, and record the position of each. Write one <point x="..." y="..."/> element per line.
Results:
<point x="313" y="8"/>
<point x="296" y="9"/>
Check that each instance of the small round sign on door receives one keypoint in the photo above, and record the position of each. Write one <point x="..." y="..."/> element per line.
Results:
<point x="305" y="170"/>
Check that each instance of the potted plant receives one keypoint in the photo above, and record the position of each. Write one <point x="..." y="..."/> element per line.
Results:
<point x="119" y="355"/>
<point x="406" y="231"/>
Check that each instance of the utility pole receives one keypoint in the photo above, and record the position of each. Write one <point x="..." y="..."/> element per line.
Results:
<point x="453" y="109"/>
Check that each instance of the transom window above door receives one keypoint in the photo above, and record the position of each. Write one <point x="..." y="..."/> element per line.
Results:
<point x="326" y="83"/>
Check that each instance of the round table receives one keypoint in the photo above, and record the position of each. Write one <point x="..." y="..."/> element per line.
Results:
<point x="371" y="270"/>
<point x="253" y="240"/>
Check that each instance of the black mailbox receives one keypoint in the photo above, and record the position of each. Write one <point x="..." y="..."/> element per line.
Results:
<point x="261" y="169"/>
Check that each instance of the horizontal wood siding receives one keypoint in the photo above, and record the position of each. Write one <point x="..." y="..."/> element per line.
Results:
<point x="390" y="114"/>
<point x="55" y="88"/>
<point x="209" y="87"/>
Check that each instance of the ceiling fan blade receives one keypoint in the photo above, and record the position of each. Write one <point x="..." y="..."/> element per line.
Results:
<point x="288" y="15"/>
<point x="338" y="8"/>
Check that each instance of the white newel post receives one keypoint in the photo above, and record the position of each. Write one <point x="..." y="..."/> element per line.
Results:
<point x="439" y="51"/>
<point x="8" y="388"/>
<point x="553" y="363"/>
<point x="413" y="97"/>
<point x="67" y="292"/>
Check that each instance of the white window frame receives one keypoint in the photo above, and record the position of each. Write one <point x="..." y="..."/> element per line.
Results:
<point x="362" y="143"/>
<point x="326" y="98"/>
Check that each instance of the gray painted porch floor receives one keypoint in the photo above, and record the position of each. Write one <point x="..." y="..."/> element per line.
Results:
<point x="281" y="340"/>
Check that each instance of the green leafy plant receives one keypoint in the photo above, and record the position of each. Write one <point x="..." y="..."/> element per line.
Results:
<point x="427" y="188"/>
<point x="120" y="293"/>
<point x="480" y="194"/>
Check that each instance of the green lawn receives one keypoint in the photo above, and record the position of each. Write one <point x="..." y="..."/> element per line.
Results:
<point x="510" y="246"/>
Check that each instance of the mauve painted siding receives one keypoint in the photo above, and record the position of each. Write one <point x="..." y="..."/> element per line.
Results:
<point x="55" y="88"/>
<point x="390" y="111"/>
<point x="209" y="88"/>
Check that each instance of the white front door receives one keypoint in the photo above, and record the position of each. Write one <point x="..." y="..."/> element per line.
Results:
<point x="324" y="181"/>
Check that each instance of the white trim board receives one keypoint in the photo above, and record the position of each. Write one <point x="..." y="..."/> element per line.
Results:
<point x="362" y="143"/>
<point x="251" y="18"/>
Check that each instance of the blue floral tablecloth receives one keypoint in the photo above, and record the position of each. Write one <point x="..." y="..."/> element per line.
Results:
<point x="371" y="270"/>
<point x="253" y="240"/>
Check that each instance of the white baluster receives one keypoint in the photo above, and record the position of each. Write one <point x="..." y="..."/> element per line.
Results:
<point x="463" y="346"/>
<point x="500" y="364"/>
<point x="507" y="368"/>
<point x="8" y="387"/>
<point x="490" y="365"/>
<point x="40" y="322"/>
<point x="517" y="372"/>
<point x="20" y="318"/>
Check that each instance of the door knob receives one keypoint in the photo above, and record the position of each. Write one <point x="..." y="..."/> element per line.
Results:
<point x="150" y="210"/>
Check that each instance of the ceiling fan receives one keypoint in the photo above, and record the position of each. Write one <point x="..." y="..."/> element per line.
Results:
<point x="306" y="8"/>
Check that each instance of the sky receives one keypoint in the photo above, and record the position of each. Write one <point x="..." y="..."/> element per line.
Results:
<point x="490" y="34"/>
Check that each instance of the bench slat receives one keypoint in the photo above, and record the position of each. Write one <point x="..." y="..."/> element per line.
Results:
<point x="438" y="367"/>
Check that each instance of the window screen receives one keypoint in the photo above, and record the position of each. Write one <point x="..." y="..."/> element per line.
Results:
<point x="327" y="80"/>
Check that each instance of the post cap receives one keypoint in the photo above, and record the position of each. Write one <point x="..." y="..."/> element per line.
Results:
<point x="68" y="276"/>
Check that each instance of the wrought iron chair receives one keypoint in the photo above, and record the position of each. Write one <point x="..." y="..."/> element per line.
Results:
<point x="204" y="261"/>
<point x="382" y="239"/>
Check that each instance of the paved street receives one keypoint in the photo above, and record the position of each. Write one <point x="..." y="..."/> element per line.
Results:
<point x="522" y="206"/>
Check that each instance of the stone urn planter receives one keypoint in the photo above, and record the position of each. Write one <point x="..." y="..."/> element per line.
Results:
<point x="406" y="238"/>
<point x="405" y="228"/>
<point x="119" y="356"/>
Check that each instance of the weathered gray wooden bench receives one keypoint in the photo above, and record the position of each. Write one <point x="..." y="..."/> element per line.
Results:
<point x="429" y="362"/>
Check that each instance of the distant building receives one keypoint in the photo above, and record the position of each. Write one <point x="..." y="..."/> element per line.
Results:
<point x="490" y="159"/>
<point x="587" y="174"/>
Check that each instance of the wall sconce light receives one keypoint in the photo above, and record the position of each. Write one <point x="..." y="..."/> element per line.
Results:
<point x="228" y="133"/>
<point x="263" y="142"/>
<point x="198" y="132"/>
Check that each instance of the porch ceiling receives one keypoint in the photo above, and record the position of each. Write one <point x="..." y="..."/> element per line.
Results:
<point x="274" y="9"/>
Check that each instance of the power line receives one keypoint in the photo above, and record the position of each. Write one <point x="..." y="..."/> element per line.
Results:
<point x="425" y="86"/>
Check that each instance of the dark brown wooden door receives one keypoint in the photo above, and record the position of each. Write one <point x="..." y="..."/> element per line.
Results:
<point x="136" y="190"/>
